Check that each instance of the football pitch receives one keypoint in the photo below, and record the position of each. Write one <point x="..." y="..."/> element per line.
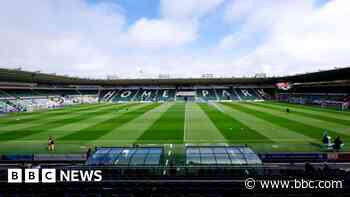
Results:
<point x="264" y="126"/>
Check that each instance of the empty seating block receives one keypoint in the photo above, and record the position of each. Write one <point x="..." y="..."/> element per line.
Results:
<point x="246" y="94"/>
<point x="206" y="94"/>
<point x="226" y="94"/>
<point x="166" y="95"/>
<point x="146" y="95"/>
<point x="125" y="95"/>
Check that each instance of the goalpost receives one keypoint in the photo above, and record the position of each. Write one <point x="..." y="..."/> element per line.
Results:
<point x="341" y="106"/>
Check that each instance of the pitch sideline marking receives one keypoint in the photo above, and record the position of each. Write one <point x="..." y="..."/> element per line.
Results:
<point x="185" y="122"/>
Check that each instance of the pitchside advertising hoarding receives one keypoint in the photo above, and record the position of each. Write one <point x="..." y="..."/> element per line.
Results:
<point x="51" y="175"/>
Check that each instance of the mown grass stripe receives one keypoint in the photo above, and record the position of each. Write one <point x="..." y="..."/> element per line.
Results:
<point x="339" y="128"/>
<point x="103" y="128"/>
<point x="232" y="129"/>
<point x="21" y="119"/>
<point x="122" y="136"/>
<point x="312" y="115"/>
<point x="307" y="109"/>
<point x="296" y="126"/>
<point x="21" y="133"/>
<point x="78" y="121"/>
<point x="313" y="108"/>
<point x="169" y="128"/>
<point x="68" y="129"/>
<point x="44" y="120"/>
<point x="199" y="127"/>
<point x="274" y="132"/>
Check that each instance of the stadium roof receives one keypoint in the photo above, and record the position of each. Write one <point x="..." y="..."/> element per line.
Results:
<point x="8" y="75"/>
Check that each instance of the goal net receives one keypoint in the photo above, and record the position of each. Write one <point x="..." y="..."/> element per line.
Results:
<point x="341" y="106"/>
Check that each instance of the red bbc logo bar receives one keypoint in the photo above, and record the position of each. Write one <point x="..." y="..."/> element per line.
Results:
<point x="31" y="175"/>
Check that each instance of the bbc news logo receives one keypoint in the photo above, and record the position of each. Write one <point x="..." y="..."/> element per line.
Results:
<point x="52" y="175"/>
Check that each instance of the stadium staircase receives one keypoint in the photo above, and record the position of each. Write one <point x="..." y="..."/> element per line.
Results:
<point x="237" y="95"/>
<point x="108" y="95"/>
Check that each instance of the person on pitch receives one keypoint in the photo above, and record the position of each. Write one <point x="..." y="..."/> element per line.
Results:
<point x="51" y="144"/>
<point x="337" y="144"/>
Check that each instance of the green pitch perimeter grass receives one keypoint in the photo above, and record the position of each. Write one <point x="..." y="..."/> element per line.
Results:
<point x="264" y="126"/>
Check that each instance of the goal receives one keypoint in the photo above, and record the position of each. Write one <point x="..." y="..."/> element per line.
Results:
<point x="341" y="106"/>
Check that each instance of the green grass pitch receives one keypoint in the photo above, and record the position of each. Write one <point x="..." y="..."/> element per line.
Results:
<point x="264" y="126"/>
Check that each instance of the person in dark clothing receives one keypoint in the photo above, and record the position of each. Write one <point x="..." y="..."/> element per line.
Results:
<point x="287" y="110"/>
<point x="337" y="144"/>
<point x="325" y="139"/>
<point x="88" y="153"/>
<point x="51" y="144"/>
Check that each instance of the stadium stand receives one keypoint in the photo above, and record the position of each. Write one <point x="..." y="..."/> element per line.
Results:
<point x="226" y="94"/>
<point x="19" y="93"/>
<point x="199" y="94"/>
<point x="246" y="94"/>
<point x="332" y="94"/>
<point x="2" y="107"/>
<point x="208" y="94"/>
<point x="107" y="95"/>
<point x="146" y="95"/>
<point x="125" y="95"/>
<point x="31" y="99"/>
<point x="166" y="95"/>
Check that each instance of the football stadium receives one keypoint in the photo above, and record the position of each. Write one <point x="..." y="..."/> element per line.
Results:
<point x="197" y="124"/>
<point x="173" y="113"/>
<point x="174" y="98"/>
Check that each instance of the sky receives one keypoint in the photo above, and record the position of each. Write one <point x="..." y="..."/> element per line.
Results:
<point x="182" y="38"/>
